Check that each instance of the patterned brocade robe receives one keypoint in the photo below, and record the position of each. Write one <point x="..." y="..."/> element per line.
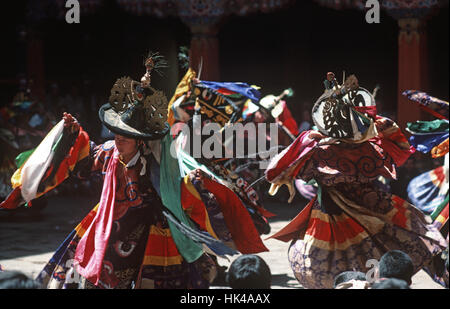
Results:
<point x="141" y="252"/>
<point x="351" y="220"/>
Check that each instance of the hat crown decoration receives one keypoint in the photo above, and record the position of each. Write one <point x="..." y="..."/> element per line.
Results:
<point x="335" y="112"/>
<point x="129" y="97"/>
<point x="135" y="108"/>
<point x="139" y="104"/>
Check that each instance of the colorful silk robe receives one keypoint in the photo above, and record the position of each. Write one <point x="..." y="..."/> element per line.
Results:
<point x="350" y="220"/>
<point x="140" y="251"/>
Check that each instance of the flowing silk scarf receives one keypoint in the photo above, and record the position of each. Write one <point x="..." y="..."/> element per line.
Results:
<point x="170" y="186"/>
<point x="92" y="246"/>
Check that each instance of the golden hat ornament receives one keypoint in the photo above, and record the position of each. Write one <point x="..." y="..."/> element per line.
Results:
<point x="135" y="109"/>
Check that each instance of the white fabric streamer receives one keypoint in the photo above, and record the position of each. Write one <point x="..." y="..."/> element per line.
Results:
<point x="37" y="164"/>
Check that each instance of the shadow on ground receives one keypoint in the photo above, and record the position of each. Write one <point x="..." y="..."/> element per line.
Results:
<point x="28" y="231"/>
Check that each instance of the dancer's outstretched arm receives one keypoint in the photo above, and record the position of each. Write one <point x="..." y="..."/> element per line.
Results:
<point x="65" y="147"/>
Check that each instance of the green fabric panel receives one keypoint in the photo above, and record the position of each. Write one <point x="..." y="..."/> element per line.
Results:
<point x="312" y="182"/>
<point x="319" y="194"/>
<point x="421" y="126"/>
<point x="234" y="96"/>
<point x="439" y="208"/>
<point x="188" y="163"/>
<point x="170" y="186"/>
<point x="21" y="158"/>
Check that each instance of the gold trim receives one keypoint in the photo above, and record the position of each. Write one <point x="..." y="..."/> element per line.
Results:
<point x="323" y="244"/>
<point x="369" y="220"/>
<point x="317" y="214"/>
<point x="310" y="241"/>
<point x="214" y="109"/>
<point x="16" y="179"/>
<point x="190" y="187"/>
<point x="154" y="230"/>
<point x="162" y="260"/>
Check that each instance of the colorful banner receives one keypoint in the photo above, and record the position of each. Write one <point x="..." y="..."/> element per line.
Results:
<point x="428" y="190"/>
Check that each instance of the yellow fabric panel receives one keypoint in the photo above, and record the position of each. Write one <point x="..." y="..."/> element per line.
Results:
<point x="183" y="87"/>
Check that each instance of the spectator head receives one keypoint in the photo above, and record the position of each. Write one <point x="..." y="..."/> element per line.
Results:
<point x="249" y="272"/>
<point x="347" y="276"/>
<point x="396" y="264"/>
<point x="390" y="283"/>
<point x="17" y="280"/>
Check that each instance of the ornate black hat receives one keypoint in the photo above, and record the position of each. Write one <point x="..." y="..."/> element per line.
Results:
<point x="345" y="111"/>
<point x="135" y="109"/>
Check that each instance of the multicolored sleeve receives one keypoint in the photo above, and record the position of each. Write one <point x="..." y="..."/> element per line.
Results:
<point x="392" y="140"/>
<point x="96" y="161"/>
<point x="285" y="166"/>
<point x="194" y="207"/>
<point x="364" y="162"/>
<point x="221" y="213"/>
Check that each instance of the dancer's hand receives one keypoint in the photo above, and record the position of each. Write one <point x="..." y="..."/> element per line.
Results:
<point x="70" y="123"/>
<point x="316" y="135"/>
<point x="385" y="127"/>
<point x="198" y="174"/>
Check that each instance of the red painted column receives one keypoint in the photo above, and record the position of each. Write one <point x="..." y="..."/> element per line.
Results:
<point x="205" y="45"/>
<point x="412" y="67"/>
<point x="35" y="66"/>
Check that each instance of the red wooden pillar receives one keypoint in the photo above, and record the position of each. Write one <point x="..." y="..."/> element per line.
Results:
<point x="35" y="66"/>
<point x="412" y="67"/>
<point x="205" y="45"/>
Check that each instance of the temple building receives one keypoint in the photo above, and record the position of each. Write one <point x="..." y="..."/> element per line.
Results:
<point x="274" y="44"/>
